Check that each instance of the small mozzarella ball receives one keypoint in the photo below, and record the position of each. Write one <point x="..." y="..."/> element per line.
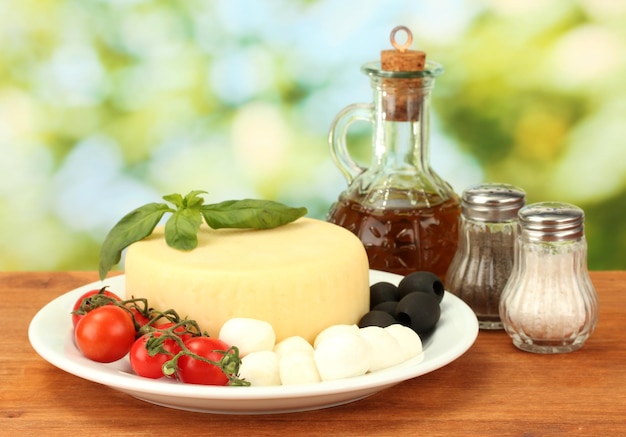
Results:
<point x="385" y="351"/>
<point x="342" y="356"/>
<point x="334" y="330"/>
<point x="248" y="335"/>
<point x="298" y="367"/>
<point x="260" y="368"/>
<point x="409" y="341"/>
<point x="293" y="344"/>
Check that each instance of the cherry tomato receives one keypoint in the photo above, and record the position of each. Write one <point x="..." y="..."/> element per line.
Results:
<point x="143" y="364"/>
<point x="79" y="302"/>
<point x="194" y="371"/>
<point x="105" y="334"/>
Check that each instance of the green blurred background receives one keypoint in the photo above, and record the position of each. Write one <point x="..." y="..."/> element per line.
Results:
<point x="107" y="105"/>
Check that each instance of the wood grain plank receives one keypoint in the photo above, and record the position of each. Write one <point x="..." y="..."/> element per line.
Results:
<point x="493" y="389"/>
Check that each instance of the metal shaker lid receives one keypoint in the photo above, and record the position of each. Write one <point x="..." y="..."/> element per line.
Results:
<point x="551" y="221"/>
<point x="492" y="202"/>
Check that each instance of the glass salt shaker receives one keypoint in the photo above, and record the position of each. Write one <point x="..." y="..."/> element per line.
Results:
<point x="483" y="261"/>
<point x="549" y="304"/>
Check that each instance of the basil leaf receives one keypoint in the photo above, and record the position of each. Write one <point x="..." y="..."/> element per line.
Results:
<point x="133" y="227"/>
<point x="250" y="213"/>
<point x="181" y="229"/>
<point x="193" y="199"/>
<point x="175" y="198"/>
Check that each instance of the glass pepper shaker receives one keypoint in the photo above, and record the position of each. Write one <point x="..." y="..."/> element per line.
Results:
<point x="483" y="261"/>
<point x="405" y="214"/>
<point x="549" y="304"/>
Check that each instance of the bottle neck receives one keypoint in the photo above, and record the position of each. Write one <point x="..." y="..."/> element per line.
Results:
<point x="400" y="173"/>
<point x="401" y="131"/>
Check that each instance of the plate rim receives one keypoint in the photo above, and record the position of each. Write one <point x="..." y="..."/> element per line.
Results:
<point x="111" y="375"/>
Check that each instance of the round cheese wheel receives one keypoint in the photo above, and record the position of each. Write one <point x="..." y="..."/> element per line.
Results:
<point x="301" y="277"/>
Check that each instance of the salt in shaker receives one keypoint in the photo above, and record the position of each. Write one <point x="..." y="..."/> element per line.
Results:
<point x="549" y="304"/>
<point x="483" y="261"/>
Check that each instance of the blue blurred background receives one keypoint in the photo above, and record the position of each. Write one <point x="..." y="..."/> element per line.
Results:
<point x="109" y="104"/>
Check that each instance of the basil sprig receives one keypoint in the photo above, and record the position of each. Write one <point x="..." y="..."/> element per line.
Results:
<point x="181" y="229"/>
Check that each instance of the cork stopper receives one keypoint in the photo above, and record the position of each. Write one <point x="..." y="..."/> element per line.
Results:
<point x="402" y="99"/>
<point x="402" y="59"/>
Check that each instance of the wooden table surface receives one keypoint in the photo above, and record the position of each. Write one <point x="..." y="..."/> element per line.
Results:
<point x="494" y="389"/>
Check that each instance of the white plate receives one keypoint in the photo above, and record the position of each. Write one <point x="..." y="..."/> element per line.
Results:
<point x="50" y="334"/>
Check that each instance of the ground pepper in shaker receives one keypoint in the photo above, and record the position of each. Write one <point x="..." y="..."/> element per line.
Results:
<point x="483" y="261"/>
<point x="549" y="304"/>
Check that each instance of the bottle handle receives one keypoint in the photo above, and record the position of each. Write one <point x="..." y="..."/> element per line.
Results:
<point x="337" y="137"/>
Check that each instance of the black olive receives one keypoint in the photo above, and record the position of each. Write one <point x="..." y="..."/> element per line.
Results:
<point x="377" y="318"/>
<point x="388" y="307"/>
<point x="425" y="282"/>
<point x="418" y="311"/>
<point x="382" y="292"/>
